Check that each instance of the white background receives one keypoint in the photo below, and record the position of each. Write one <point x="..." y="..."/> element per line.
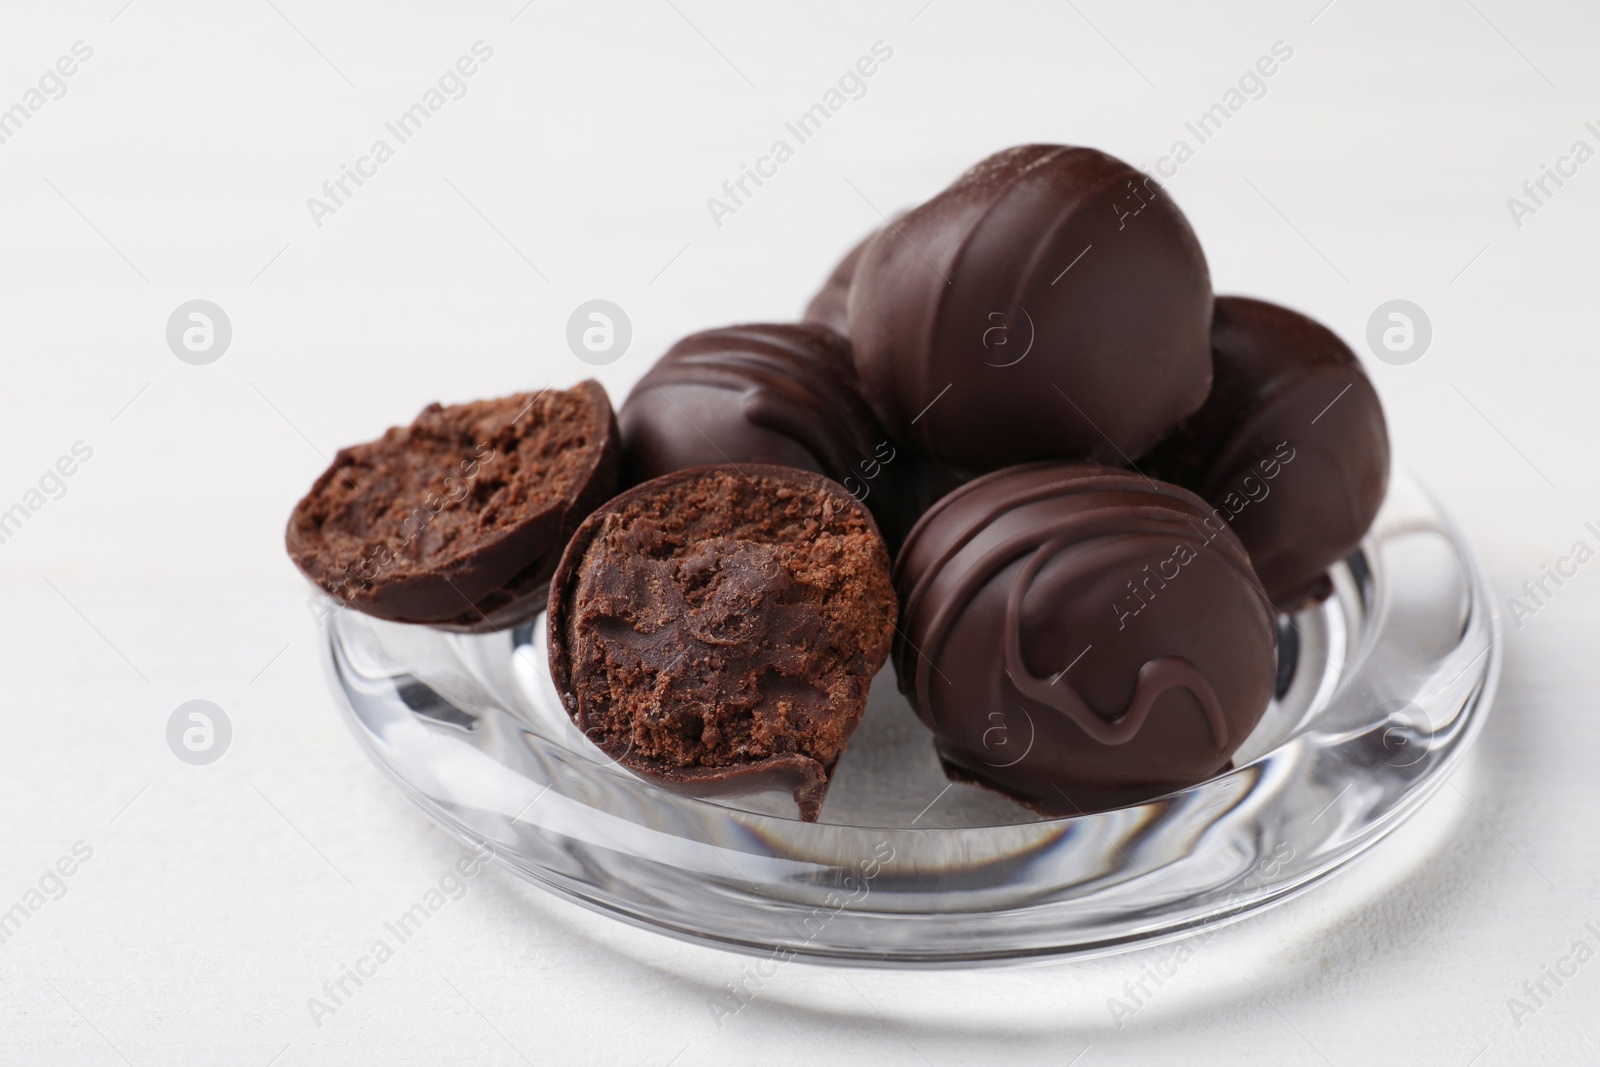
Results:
<point x="177" y="166"/>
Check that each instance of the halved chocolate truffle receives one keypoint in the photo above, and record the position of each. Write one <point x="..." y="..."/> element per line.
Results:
<point x="1290" y="448"/>
<point x="459" y="519"/>
<point x="767" y="393"/>
<point x="1079" y="637"/>
<point x="1052" y="304"/>
<point x="717" y="629"/>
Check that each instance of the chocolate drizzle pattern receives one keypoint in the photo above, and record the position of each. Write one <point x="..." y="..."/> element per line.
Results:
<point x="1022" y="519"/>
<point x="782" y="394"/>
<point x="1156" y="676"/>
<point x="804" y="391"/>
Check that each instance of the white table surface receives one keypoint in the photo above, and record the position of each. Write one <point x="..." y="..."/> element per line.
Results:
<point x="177" y="165"/>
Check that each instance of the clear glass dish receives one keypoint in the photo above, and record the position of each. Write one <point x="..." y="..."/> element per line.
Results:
<point x="1381" y="690"/>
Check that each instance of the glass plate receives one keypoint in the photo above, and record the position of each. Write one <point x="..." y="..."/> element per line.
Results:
<point x="1381" y="690"/>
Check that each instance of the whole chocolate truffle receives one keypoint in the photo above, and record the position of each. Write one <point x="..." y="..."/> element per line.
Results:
<point x="1290" y="448"/>
<point x="717" y="629"/>
<point x="1079" y="637"/>
<point x="458" y="520"/>
<point x="1051" y="304"/>
<point x="783" y="394"/>
<point x="830" y="307"/>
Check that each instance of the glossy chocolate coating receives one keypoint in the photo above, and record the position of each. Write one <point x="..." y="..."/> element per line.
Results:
<point x="783" y="394"/>
<point x="1290" y="448"/>
<point x="1052" y="304"/>
<point x="831" y="306"/>
<point x="1080" y="637"/>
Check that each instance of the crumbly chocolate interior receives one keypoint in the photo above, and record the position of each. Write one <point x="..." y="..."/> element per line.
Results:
<point x="727" y="620"/>
<point x="455" y="479"/>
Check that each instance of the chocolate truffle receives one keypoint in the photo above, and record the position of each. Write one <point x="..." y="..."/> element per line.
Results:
<point x="781" y="394"/>
<point x="1080" y="637"/>
<point x="1290" y="448"/>
<point x="830" y="307"/>
<point x="1051" y="304"/>
<point x="717" y="629"/>
<point x="459" y="519"/>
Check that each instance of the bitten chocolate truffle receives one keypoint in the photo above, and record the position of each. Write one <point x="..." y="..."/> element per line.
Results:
<point x="1290" y="448"/>
<point x="1052" y="304"/>
<point x="459" y="519"/>
<point x="717" y="629"/>
<point x="1079" y="637"/>
<point x="830" y="307"/>
<point x="783" y="394"/>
